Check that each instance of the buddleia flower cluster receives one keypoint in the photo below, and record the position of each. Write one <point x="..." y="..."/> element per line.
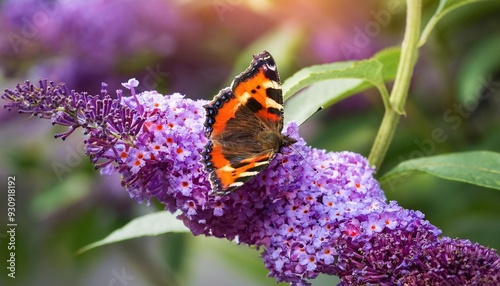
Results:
<point x="311" y="211"/>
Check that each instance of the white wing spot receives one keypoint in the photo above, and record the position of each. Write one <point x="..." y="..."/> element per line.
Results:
<point x="271" y="67"/>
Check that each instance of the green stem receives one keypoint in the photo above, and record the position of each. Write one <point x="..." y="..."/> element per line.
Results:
<point x="409" y="53"/>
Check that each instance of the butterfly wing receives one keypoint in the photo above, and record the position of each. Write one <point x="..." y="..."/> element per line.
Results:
<point x="243" y="126"/>
<point x="229" y="177"/>
<point x="259" y="89"/>
<point x="233" y="154"/>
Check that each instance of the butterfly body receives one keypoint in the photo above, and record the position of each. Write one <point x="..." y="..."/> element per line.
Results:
<point x="243" y="125"/>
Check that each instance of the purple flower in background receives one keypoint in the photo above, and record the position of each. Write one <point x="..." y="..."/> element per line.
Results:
<point x="328" y="215"/>
<point x="84" y="41"/>
<point x="96" y="28"/>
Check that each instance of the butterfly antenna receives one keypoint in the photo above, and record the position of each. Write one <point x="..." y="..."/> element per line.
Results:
<point x="305" y="160"/>
<point x="317" y="110"/>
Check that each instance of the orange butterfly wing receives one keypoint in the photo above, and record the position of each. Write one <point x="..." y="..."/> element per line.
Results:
<point x="243" y="125"/>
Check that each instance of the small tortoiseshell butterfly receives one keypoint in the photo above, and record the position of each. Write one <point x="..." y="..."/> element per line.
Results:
<point x="243" y="125"/>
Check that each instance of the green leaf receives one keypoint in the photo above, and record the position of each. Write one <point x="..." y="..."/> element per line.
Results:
<point x="389" y="57"/>
<point x="445" y="6"/>
<point x="480" y="168"/>
<point x="148" y="225"/>
<point x="58" y="197"/>
<point x="475" y="76"/>
<point x="330" y="83"/>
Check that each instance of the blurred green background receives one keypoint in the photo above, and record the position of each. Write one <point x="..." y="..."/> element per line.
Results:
<point x="196" y="48"/>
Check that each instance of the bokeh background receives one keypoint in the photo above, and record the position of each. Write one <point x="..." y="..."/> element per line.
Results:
<point x="196" y="48"/>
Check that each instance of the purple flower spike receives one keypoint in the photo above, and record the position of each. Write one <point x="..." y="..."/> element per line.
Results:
<point x="327" y="215"/>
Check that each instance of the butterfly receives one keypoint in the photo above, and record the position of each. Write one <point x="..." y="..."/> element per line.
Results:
<point x="243" y="126"/>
